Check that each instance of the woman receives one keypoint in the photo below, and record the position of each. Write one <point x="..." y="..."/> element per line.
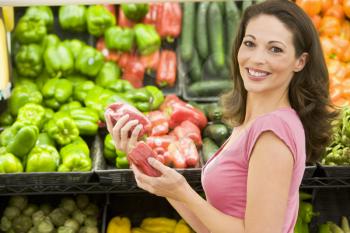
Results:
<point x="280" y="110"/>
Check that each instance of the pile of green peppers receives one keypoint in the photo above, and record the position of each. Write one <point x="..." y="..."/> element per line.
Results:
<point x="305" y="214"/>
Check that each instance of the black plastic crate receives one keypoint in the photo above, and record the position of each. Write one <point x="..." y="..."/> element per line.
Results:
<point x="330" y="205"/>
<point x="52" y="178"/>
<point x="309" y="171"/>
<point x="125" y="179"/>
<point x="336" y="171"/>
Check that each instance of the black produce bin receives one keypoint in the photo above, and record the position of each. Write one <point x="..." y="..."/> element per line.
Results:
<point x="336" y="171"/>
<point x="54" y="201"/>
<point x="309" y="171"/>
<point x="331" y="204"/>
<point x="137" y="207"/>
<point x="125" y="179"/>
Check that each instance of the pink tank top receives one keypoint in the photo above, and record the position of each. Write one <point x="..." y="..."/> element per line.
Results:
<point x="224" y="177"/>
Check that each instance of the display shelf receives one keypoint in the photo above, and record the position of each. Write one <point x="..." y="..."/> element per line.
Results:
<point x="326" y="182"/>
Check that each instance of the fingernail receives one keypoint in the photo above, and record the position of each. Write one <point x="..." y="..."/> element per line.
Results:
<point x="150" y="160"/>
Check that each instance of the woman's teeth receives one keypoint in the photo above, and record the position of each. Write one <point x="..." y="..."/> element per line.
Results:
<point x="257" y="73"/>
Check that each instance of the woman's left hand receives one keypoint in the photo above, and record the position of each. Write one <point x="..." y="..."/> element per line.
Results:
<point x="170" y="184"/>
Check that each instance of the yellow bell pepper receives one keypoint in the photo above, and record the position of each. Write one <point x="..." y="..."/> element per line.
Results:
<point x="119" y="225"/>
<point x="158" y="225"/>
<point x="139" y="230"/>
<point x="182" y="227"/>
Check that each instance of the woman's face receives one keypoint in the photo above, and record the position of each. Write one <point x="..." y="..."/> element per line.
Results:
<point x="266" y="56"/>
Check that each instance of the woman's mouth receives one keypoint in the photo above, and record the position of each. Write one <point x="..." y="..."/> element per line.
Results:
<point x="257" y="75"/>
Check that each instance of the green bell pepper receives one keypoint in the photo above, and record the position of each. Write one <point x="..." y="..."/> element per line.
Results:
<point x="86" y="120"/>
<point x="42" y="79"/>
<point x="59" y="60"/>
<point x="50" y="40"/>
<point x="49" y="113"/>
<point x="121" y="86"/>
<point x="31" y="114"/>
<point x="9" y="163"/>
<point x="108" y="75"/>
<point x="99" y="19"/>
<point x="135" y="11"/>
<point x="298" y="228"/>
<point x="62" y="128"/>
<point x="28" y="59"/>
<point x="82" y="89"/>
<point x="109" y="152"/>
<point x="157" y="96"/>
<point x="22" y="95"/>
<point x="75" y="46"/>
<point x="6" y="119"/>
<point x="44" y="139"/>
<point x="306" y="211"/>
<point x="119" y="38"/>
<point x="75" y="157"/>
<point x="41" y="12"/>
<point x="89" y="61"/>
<point x="56" y="92"/>
<point x="140" y="98"/>
<point x="325" y="228"/>
<point x="147" y="39"/>
<point x="19" y="138"/>
<point x="30" y="30"/>
<point x="121" y="161"/>
<point x="43" y="158"/>
<point x="69" y="106"/>
<point x="76" y="79"/>
<point x="72" y="17"/>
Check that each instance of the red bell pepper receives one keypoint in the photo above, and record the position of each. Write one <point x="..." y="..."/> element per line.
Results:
<point x="151" y="16"/>
<point x="189" y="152"/>
<point x="109" y="55"/>
<point x="160" y="125"/>
<point x="123" y="21"/>
<point x="150" y="61"/>
<point x="169" y="20"/>
<point x="133" y="69"/>
<point x="169" y="101"/>
<point x="176" y="156"/>
<point x="110" y="8"/>
<point x="166" y="72"/>
<point x="188" y="130"/>
<point x="160" y="141"/>
<point x="168" y="160"/>
<point x="138" y="157"/>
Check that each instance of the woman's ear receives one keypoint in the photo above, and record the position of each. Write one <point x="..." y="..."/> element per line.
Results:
<point x="301" y="62"/>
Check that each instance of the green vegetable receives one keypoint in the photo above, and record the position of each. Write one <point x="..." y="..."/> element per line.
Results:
<point x="19" y="139"/>
<point x="89" y="61"/>
<point x="68" y="204"/>
<point x="209" y="87"/>
<point x="157" y="96"/>
<point x="209" y="148"/>
<point x="86" y="120"/>
<point x="109" y="152"/>
<point x="46" y="208"/>
<point x="345" y="224"/>
<point x="43" y="13"/>
<point x="82" y="201"/>
<point x="121" y="86"/>
<point x="122" y="162"/>
<point x="30" y="209"/>
<point x="70" y="105"/>
<point x="195" y="68"/>
<point x="72" y="224"/>
<point x="45" y="226"/>
<point x="30" y="30"/>
<point x="214" y="111"/>
<point x="59" y="60"/>
<point x="22" y="223"/>
<point x="31" y="114"/>
<point x="6" y="119"/>
<point x="9" y="163"/>
<point x="108" y="75"/>
<point x="202" y="30"/>
<point x="72" y="17"/>
<point x="79" y="216"/>
<point x="298" y="228"/>
<point x="91" y="210"/>
<point x="187" y="34"/>
<point x="135" y="12"/>
<point x="99" y="19"/>
<point x="335" y="228"/>
<point x="38" y="217"/>
<point x="42" y="79"/>
<point x="325" y="228"/>
<point x="147" y="39"/>
<point x="58" y="217"/>
<point x="20" y="202"/>
<point x="217" y="132"/>
<point x="87" y="229"/>
<point x="90" y="221"/>
<point x="28" y="59"/>
<point x="75" y="157"/>
<point x="141" y="98"/>
<point x="75" y="46"/>
<point x="11" y="212"/>
<point x="56" y="92"/>
<point x="65" y="229"/>
<point x="5" y="224"/>
<point x="232" y="18"/>
<point x="62" y="128"/>
<point x="305" y="211"/>
<point x="304" y="196"/>
<point x="216" y="35"/>
<point x="50" y="40"/>
<point x="43" y="158"/>
<point x="119" y="38"/>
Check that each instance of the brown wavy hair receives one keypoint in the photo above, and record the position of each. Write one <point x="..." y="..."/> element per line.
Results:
<point x="308" y="89"/>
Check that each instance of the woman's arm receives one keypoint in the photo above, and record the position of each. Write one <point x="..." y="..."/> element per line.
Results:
<point x="269" y="178"/>
<point x="189" y="217"/>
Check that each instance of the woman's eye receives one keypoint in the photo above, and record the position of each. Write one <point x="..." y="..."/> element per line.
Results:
<point x="248" y="43"/>
<point x="276" y="50"/>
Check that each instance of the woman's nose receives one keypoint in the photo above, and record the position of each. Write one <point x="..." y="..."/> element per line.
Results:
<point x="258" y="57"/>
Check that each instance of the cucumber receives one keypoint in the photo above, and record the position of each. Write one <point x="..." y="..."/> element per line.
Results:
<point x="201" y="30"/>
<point x="217" y="132"/>
<point x="195" y="68"/>
<point x="187" y="34"/>
<point x="209" y="148"/>
<point x="216" y="35"/>
<point x="209" y="87"/>
<point x="246" y="4"/>
<point x="232" y="18"/>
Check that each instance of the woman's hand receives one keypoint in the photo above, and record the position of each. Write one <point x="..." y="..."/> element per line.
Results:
<point x="120" y="132"/>
<point x="170" y="184"/>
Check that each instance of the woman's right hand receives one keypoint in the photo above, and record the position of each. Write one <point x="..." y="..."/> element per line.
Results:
<point x="120" y="132"/>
